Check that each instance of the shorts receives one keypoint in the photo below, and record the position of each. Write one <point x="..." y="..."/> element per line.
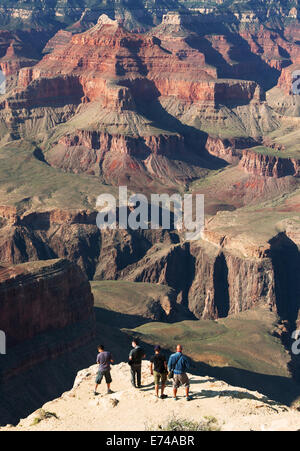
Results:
<point x="160" y="376"/>
<point x="181" y="379"/>
<point x="102" y="374"/>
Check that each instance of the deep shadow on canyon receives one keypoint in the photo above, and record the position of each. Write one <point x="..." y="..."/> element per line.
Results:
<point x="286" y="263"/>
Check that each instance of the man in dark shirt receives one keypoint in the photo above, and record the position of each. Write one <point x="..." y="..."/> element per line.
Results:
<point x="159" y="362"/>
<point x="135" y="360"/>
<point x="104" y="359"/>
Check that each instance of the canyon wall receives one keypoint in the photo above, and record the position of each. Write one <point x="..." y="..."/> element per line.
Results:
<point x="226" y="282"/>
<point x="210" y="281"/>
<point x="40" y="296"/>
<point x="229" y="150"/>
<point x="109" y="52"/>
<point x="212" y="277"/>
<point x="263" y="164"/>
<point x="46" y="312"/>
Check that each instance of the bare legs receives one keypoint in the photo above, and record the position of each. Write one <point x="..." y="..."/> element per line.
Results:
<point x="108" y="387"/>
<point x="162" y="389"/>
<point x="187" y="390"/>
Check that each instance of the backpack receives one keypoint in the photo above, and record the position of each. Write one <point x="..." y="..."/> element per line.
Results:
<point x="171" y="372"/>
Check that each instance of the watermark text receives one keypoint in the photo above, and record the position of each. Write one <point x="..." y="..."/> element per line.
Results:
<point x="2" y="83"/>
<point x="165" y="211"/>
<point x="296" y="83"/>
<point x="2" y="342"/>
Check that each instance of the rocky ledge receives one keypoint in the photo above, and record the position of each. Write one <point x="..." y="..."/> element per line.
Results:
<point x="215" y="405"/>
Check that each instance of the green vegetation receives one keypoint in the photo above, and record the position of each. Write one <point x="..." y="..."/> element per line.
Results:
<point x="241" y="341"/>
<point x="176" y="424"/>
<point x="129" y="297"/>
<point x="289" y="137"/>
<point x="31" y="184"/>
<point x="43" y="415"/>
<point x="217" y="179"/>
<point x="277" y="153"/>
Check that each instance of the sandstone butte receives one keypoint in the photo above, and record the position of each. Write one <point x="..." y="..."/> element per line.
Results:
<point x="120" y="70"/>
<point x="15" y="53"/>
<point x="111" y="70"/>
<point x="108" y="53"/>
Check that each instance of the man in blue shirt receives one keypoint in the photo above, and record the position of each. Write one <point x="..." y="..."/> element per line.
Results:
<point x="180" y="364"/>
<point x="104" y="359"/>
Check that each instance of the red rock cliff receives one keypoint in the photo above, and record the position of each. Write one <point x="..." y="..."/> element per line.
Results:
<point x="269" y="165"/>
<point x="108" y="52"/>
<point x="41" y="296"/>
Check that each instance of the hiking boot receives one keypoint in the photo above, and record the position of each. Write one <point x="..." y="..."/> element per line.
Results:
<point x="175" y="398"/>
<point x="110" y="392"/>
<point x="96" y="393"/>
<point x="188" y="398"/>
<point x="163" y="396"/>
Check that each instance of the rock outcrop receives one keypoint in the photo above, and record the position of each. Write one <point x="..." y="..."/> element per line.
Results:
<point x="229" y="150"/>
<point x="46" y="313"/>
<point x="108" y="51"/>
<point x="264" y="164"/>
<point x="119" y="158"/>
<point x="141" y="95"/>
<point x="41" y="296"/>
<point x="16" y="51"/>
<point x="230" y="409"/>
<point x="210" y="280"/>
<point x="50" y="234"/>
<point x="60" y="39"/>
<point x="227" y="283"/>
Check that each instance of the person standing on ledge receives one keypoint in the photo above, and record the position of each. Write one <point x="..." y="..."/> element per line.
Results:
<point x="160" y="372"/>
<point x="104" y="359"/>
<point x="179" y="364"/>
<point x="135" y="361"/>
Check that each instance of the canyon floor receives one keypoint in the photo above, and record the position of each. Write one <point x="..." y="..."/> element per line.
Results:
<point x="214" y="403"/>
